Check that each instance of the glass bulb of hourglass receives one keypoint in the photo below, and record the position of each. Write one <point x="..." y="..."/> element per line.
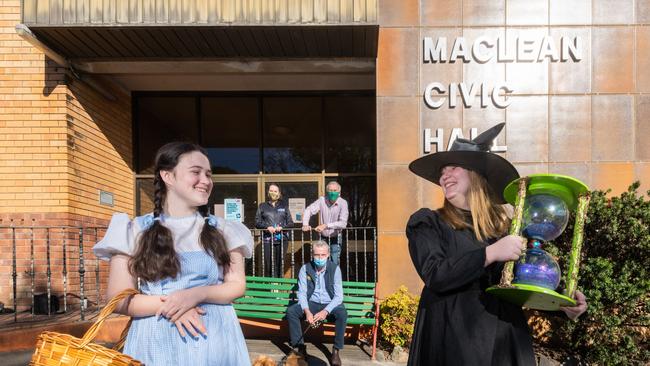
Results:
<point x="537" y="268"/>
<point x="545" y="217"/>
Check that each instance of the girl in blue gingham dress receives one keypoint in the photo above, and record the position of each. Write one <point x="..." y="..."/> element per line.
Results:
<point x="186" y="317"/>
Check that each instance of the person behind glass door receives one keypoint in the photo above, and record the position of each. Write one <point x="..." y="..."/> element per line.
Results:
<point x="273" y="217"/>
<point x="333" y="218"/>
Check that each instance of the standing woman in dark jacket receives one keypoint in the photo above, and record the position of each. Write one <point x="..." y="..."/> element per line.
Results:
<point x="273" y="216"/>
<point x="458" y="251"/>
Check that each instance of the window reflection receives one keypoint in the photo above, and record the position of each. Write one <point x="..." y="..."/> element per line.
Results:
<point x="292" y="134"/>
<point x="349" y="134"/>
<point x="230" y="132"/>
<point x="162" y="120"/>
<point x="272" y="133"/>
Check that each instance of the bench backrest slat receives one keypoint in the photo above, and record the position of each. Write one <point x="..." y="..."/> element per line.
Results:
<point x="286" y="302"/>
<point x="263" y="301"/>
<point x="260" y="315"/>
<point x="250" y="279"/>
<point x="357" y="291"/>
<point x="349" y="284"/>
<point x="270" y="286"/>
<point x="254" y="279"/>
<point x="269" y="294"/>
<point x="258" y="307"/>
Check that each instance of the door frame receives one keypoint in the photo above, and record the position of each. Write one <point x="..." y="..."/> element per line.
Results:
<point x="262" y="179"/>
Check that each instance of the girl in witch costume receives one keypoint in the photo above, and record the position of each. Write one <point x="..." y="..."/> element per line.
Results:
<point x="189" y="265"/>
<point x="459" y="251"/>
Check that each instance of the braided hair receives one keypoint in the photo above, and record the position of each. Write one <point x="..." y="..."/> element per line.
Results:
<point x="155" y="257"/>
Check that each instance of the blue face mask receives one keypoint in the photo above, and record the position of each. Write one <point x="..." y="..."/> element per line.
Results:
<point x="319" y="262"/>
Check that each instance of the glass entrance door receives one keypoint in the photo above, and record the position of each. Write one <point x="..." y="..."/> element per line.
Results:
<point x="246" y="191"/>
<point x="297" y="193"/>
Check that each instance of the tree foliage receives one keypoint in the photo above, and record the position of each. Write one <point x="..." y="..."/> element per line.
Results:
<point x="615" y="277"/>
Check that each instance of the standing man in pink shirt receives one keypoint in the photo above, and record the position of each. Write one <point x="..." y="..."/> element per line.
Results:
<point x="333" y="217"/>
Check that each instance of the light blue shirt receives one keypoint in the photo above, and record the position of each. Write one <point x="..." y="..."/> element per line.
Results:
<point x="320" y="295"/>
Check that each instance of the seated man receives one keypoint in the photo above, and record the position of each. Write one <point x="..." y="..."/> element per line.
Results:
<point x="320" y="296"/>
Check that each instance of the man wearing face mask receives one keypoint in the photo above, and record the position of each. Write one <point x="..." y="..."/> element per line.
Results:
<point x="273" y="216"/>
<point x="333" y="215"/>
<point x="320" y="296"/>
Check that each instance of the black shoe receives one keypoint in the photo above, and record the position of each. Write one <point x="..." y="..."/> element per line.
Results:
<point x="301" y="350"/>
<point x="335" y="360"/>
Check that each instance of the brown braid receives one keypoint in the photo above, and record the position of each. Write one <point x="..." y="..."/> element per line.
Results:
<point x="213" y="242"/>
<point x="155" y="257"/>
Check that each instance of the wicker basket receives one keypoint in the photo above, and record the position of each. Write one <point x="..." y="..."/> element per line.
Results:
<point x="57" y="349"/>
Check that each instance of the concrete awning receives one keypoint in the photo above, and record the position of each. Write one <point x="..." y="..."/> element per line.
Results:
<point x="198" y="42"/>
<point x="200" y="29"/>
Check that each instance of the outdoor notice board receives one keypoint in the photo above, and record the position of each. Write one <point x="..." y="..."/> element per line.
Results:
<point x="233" y="209"/>
<point x="296" y="207"/>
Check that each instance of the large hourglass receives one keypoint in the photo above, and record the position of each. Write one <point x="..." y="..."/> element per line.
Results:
<point x="543" y="203"/>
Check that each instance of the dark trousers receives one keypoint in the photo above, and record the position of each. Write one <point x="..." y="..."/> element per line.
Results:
<point x="273" y="258"/>
<point x="295" y="314"/>
<point x="335" y="248"/>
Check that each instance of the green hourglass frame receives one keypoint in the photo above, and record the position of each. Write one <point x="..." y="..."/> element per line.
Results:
<point x="575" y="195"/>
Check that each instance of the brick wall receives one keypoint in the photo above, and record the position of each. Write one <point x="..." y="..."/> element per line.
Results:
<point x="100" y="151"/>
<point x="64" y="253"/>
<point x="60" y="143"/>
<point x="33" y="152"/>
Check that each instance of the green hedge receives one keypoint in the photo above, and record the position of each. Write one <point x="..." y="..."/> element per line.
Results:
<point x="615" y="278"/>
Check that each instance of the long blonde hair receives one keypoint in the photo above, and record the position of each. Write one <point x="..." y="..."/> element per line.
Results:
<point x="489" y="219"/>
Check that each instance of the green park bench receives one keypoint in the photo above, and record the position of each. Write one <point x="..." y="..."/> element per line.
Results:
<point x="269" y="298"/>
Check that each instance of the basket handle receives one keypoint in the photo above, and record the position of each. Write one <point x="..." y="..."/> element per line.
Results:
<point x="91" y="333"/>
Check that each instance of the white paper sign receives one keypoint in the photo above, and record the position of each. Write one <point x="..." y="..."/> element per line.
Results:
<point x="233" y="209"/>
<point x="297" y="207"/>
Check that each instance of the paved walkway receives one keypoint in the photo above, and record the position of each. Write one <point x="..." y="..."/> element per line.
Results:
<point x="351" y="355"/>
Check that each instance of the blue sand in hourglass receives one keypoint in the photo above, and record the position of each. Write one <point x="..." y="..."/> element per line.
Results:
<point x="545" y="217"/>
<point x="537" y="268"/>
<point x="542" y="230"/>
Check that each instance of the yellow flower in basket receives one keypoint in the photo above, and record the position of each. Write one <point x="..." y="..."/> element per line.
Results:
<point x="58" y="349"/>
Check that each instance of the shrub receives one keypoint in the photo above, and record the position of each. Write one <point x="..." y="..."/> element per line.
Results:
<point x="615" y="278"/>
<point x="397" y="317"/>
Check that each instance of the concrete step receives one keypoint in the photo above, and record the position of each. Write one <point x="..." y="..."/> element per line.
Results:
<point x="352" y="355"/>
<point x="19" y="339"/>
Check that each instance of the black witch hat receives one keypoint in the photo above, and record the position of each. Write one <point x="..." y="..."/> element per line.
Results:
<point x="474" y="155"/>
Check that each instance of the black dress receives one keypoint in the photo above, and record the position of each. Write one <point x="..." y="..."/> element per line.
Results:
<point x="457" y="322"/>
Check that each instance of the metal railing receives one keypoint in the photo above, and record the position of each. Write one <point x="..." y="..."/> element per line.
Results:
<point x="53" y="263"/>
<point x="48" y="270"/>
<point x="358" y="255"/>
